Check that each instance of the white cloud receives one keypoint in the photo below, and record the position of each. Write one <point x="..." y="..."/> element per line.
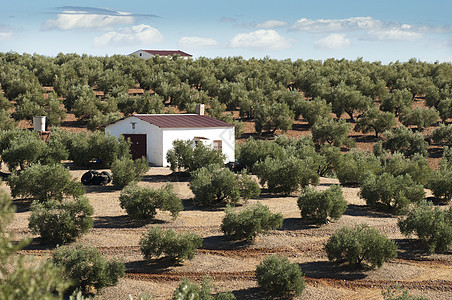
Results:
<point x="394" y="34"/>
<point x="194" y="42"/>
<point x="260" y="39"/>
<point x="81" y="20"/>
<point x="337" y="25"/>
<point x="272" y="24"/>
<point x="5" y="32"/>
<point x="139" y="34"/>
<point x="333" y="41"/>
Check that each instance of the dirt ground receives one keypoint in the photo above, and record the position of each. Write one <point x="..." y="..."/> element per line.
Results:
<point x="231" y="265"/>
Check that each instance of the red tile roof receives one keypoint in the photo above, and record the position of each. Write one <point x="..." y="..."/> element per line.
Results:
<point x="167" y="52"/>
<point x="182" y="121"/>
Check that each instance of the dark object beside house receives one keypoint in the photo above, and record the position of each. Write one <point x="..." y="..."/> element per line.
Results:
<point x="235" y="166"/>
<point x="93" y="177"/>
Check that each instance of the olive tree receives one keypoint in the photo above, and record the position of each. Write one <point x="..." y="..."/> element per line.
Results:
<point x="359" y="244"/>
<point x="318" y="206"/>
<point x="432" y="225"/>
<point x="328" y="130"/>
<point x="376" y="121"/>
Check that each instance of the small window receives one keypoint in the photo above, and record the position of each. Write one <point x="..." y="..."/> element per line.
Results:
<point x="217" y="145"/>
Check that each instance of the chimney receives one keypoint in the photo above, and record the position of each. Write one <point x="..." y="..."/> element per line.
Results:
<point x="200" y="109"/>
<point x="39" y="123"/>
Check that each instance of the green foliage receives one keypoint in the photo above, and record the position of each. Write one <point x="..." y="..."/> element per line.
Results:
<point x="287" y="174"/>
<point x="249" y="222"/>
<point x="394" y="193"/>
<point x="61" y="222"/>
<point x="397" y="100"/>
<point x="85" y="148"/>
<point x="328" y="130"/>
<point x="269" y="118"/>
<point x="420" y="117"/>
<point x="443" y="134"/>
<point x="6" y="122"/>
<point x="183" y="156"/>
<point x="44" y="183"/>
<point x="432" y="225"/>
<point x="188" y="290"/>
<point x="352" y="166"/>
<point x="396" y="293"/>
<point x="445" y="109"/>
<point x="347" y="99"/>
<point x="417" y="167"/>
<point x="313" y="110"/>
<point x="358" y="244"/>
<point x="175" y="246"/>
<point x="87" y="268"/>
<point x="22" y="278"/>
<point x="23" y="150"/>
<point x="440" y="184"/>
<point x="318" y="206"/>
<point x="213" y="184"/>
<point x="278" y="277"/>
<point x="141" y="202"/>
<point x="126" y="170"/>
<point x="403" y="140"/>
<point x="376" y="121"/>
<point x="253" y="151"/>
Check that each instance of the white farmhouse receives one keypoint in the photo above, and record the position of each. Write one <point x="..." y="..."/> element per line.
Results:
<point x="145" y="54"/>
<point x="152" y="135"/>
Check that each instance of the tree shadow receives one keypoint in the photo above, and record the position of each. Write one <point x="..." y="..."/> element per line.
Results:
<point x="221" y="242"/>
<point x="37" y="244"/>
<point x="22" y="205"/>
<point x="154" y="266"/>
<point x="101" y="188"/>
<point x="250" y="293"/>
<point x="301" y="127"/>
<point x="435" y="152"/>
<point x="365" y="138"/>
<point x="364" y="211"/>
<point x="412" y="249"/>
<point x="190" y="206"/>
<point x="326" y="269"/>
<point x="297" y="224"/>
<point x="173" y="177"/>
<point x="123" y="221"/>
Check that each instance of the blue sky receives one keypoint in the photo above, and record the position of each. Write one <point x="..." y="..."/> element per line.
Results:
<point x="374" y="30"/>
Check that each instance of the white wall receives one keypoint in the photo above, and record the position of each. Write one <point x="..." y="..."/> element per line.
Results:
<point x="225" y="134"/>
<point x="153" y="136"/>
<point x="142" y="54"/>
<point x="159" y="140"/>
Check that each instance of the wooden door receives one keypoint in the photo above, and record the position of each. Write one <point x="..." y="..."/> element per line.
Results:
<point x="138" y="144"/>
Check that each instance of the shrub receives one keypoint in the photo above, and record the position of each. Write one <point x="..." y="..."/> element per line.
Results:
<point x="376" y="121"/>
<point x="393" y="192"/>
<point x="278" y="277"/>
<point x="421" y="117"/>
<point x="358" y="244"/>
<point x="352" y="166"/>
<point x="440" y="184"/>
<point x="248" y="223"/>
<point x="397" y="293"/>
<point x="22" y="149"/>
<point x="87" y="268"/>
<point x="403" y="140"/>
<point x="254" y="151"/>
<point x="314" y="110"/>
<point x="269" y="118"/>
<point x="86" y="148"/>
<point x="432" y="225"/>
<point x="61" y="222"/>
<point x="417" y="167"/>
<point x="141" y="203"/>
<point x="188" y="290"/>
<point x="328" y="130"/>
<point x="443" y="134"/>
<point x="176" y="246"/>
<point x="45" y="182"/>
<point x="287" y="174"/>
<point x="183" y="156"/>
<point x="125" y="170"/>
<point x="321" y="205"/>
<point x="213" y="184"/>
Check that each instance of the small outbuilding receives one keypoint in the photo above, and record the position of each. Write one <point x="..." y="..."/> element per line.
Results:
<point x="152" y="135"/>
<point x="145" y="54"/>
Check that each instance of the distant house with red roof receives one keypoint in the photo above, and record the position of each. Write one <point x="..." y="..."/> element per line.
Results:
<point x="152" y="135"/>
<point x="163" y="53"/>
